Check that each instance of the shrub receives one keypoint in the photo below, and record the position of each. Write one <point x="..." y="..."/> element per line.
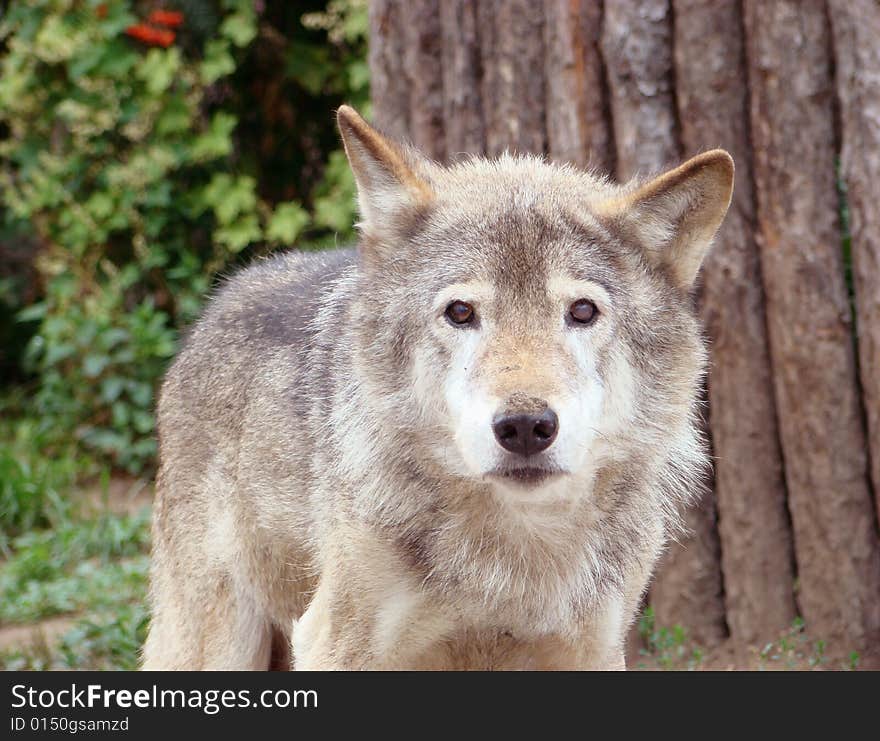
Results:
<point x="127" y="156"/>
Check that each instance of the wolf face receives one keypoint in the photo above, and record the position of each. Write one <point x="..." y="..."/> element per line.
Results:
<point x="539" y="315"/>
<point x="525" y="348"/>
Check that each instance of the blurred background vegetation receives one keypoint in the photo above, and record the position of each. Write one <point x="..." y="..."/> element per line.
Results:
<point x="145" y="149"/>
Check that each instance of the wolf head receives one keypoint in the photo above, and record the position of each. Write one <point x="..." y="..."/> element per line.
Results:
<point x="526" y="322"/>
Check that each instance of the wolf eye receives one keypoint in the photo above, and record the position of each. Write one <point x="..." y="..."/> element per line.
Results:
<point x="583" y="311"/>
<point x="459" y="312"/>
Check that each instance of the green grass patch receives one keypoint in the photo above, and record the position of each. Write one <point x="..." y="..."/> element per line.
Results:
<point x="795" y="649"/>
<point x="32" y="477"/>
<point x="88" y="586"/>
<point x="111" y="640"/>
<point x="95" y="568"/>
<point x="80" y="565"/>
<point x="668" y="647"/>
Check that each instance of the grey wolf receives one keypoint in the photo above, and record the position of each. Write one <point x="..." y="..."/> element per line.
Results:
<point x="463" y="444"/>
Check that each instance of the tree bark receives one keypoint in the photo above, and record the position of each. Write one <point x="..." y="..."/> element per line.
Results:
<point x="511" y="37"/>
<point x="462" y="75"/>
<point x="637" y="44"/>
<point x="637" y="47"/>
<point x="810" y="329"/>
<point x="756" y="547"/>
<point x="389" y="82"/>
<point x="856" y="27"/>
<point x="578" y="125"/>
<point x="424" y="51"/>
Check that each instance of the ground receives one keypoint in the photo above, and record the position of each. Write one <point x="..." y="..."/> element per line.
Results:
<point x="72" y="596"/>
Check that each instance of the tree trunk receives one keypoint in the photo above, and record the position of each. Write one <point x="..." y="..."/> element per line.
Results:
<point x="637" y="44"/>
<point x="578" y="124"/>
<point x="756" y="548"/>
<point x="511" y="36"/>
<point x="389" y="83"/>
<point x="810" y="329"/>
<point x="462" y="74"/>
<point x="637" y="47"/>
<point x="856" y="27"/>
<point x="424" y="48"/>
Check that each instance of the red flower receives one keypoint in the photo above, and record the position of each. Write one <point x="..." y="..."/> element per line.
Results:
<point x="170" y="18"/>
<point x="150" y="35"/>
<point x="101" y="10"/>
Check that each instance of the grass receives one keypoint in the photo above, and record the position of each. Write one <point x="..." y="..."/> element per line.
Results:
<point x="75" y="565"/>
<point x="62" y="555"/>
<point x="793" y="650"/>
<point x="32" y="483"/>
<point x="107" y="640"/>
<point x="667" y="647"/>
<point x="94" y="569"/>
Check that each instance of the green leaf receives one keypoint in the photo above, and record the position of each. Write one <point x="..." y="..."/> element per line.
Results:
<point x="86" y="61"/>
<point x="358" y="75"/>
<point x="93" y="365"/>
<point x="140" y="393"/>
<point x="143" y="421"/>
<point x="308" y="64"/>
<point x="240" y="234"/>
<point x="159" y="69"/>
<point x="176" y="118"/>
<point x="121" y="414"/>
<point x="240" y="27"/>
<point x="287" y="222"/>
<point x="32" y="312"/>
<point x="100" y="205"/>
<point x="229" y="197"/>
<point x="111" y="388"/>
<point x="217" y="140"/>
<point x="218" y="62"/>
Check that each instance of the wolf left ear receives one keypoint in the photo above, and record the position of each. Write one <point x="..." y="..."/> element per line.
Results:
<point x="387" y="173"/>
<point x="677" y="214"/>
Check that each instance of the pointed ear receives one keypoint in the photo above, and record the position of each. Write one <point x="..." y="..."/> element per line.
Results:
<point x="386" y="172"/>
<point x="676" y="215"/>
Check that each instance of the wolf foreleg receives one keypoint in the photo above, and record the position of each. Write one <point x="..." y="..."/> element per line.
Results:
<point x="368" y="611"/>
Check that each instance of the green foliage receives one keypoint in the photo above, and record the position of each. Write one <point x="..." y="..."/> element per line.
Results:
<point x="794" y="649"/>
<point x="98" y="363"/>
<point x="853" y="663"/>
<point x="334" y="195"/>
<point x="88" y="585"/>
<point x="669" y="647"/>
<point x="140" y="172"/>
<point x="96" y="565"/>
<point x="32" y="485"/>
<point x="111" y="640"/>
<point x="106" y="640"/>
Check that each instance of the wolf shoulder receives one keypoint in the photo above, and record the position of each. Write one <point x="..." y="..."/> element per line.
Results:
<point x="263" y="312"/>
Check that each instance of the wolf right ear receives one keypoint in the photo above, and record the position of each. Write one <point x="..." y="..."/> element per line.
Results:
<point x="387" y="174"/>
<point x="676" y="215"/>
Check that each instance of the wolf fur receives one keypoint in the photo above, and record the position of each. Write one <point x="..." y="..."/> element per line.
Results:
<point x="329" y="478"/>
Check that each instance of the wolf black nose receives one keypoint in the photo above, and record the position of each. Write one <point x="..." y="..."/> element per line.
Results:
<point x="526" y="434"/>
